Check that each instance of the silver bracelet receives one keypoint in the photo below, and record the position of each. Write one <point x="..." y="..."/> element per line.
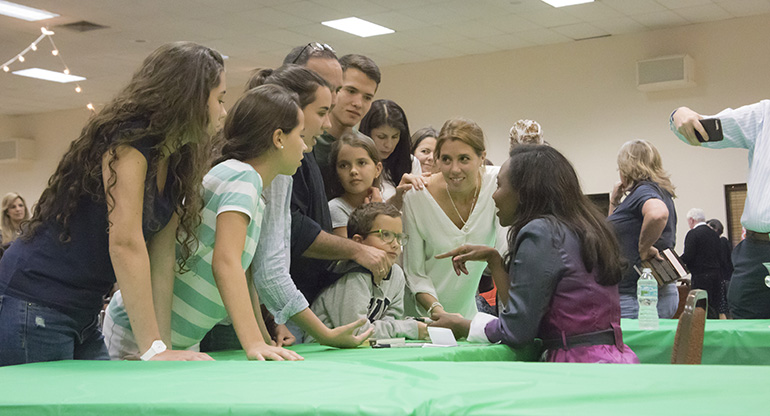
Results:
<point x="433" y="306"/>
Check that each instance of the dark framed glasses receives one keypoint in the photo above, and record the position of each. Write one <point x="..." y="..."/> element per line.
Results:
<point x="313" y="46"/>
<point x="388" y="236"/>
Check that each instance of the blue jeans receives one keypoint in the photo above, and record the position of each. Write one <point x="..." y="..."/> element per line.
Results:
<point x="32" y="333"/>
<point x="668" y="302"/>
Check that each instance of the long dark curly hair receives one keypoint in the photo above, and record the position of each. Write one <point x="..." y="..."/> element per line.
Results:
<point x="166" y="102"/>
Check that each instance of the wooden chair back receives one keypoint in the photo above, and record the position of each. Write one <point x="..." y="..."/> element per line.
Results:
<point x="688" y="342"/>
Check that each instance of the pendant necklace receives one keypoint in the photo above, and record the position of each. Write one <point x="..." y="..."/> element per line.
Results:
<point x="473" y="204"/>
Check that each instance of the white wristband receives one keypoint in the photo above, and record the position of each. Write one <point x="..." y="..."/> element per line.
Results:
<point x="156" y="348"/>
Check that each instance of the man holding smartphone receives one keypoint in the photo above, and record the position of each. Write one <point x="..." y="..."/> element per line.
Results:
<point x="745" y="127"/>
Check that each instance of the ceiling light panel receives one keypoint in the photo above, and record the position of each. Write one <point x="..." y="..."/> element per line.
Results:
<point x="23" y="12"/>
<point x="562" y="3"/>
<point x="47" y="75"/>
<point x="358" y="27"/>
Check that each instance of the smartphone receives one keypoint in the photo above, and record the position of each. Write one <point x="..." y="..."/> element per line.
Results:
<point x="713" y="127"/>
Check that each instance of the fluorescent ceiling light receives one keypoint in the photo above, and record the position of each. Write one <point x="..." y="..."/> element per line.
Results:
<point x="48" y="75"/>
<point x="23" y="12"/>
<point x="562" y="3"/>
<point x="358" y="27"/>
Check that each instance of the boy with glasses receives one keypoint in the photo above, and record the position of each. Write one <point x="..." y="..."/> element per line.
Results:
<point x="356" y="295"/>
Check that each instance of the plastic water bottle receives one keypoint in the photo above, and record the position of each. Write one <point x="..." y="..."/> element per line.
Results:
<point x="647" y="295"/>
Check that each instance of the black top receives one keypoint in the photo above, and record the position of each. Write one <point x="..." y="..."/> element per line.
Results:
<point x="627" y="219"/>
<point x="74" y="276"/>
<point x="309" y="216"/>
<point x="703" y="251"/>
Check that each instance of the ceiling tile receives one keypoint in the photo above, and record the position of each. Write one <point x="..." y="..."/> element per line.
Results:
<point x="477" y="29"/>
<point x="506" y="41"/>
<point x="311" y="11"/>
<point x="705" y="13"/>
<point x="590" y="12"/>
<point x="353" y="7"/>
<point x="551" y="18"/>
<point x="511" y="23"/>
<point x="632" y="7"/>
<point x="395" y="20"/>
<point x="436" y="15"/>
<point x="620" y="25"/>
<point x="580" y="31"/>
<point x="745" y="7"/>
<point x="471" y="47"/>
<point x="660" y="19"/>
<point x="678" y="4"/>
<point x="543" y="37"/>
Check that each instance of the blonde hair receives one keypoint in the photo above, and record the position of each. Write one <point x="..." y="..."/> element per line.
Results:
<point x="9" y="231"/>
<point x="639" y="160"/>
<point x="526" y="132"/>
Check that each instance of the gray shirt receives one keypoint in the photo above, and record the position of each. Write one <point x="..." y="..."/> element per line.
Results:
<point x="355" y="296"/>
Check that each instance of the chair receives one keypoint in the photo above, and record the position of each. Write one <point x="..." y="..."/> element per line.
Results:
<point x="688" y="341"/>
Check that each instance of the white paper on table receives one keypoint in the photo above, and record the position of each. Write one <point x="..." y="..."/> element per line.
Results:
<point x="441" y="337"/>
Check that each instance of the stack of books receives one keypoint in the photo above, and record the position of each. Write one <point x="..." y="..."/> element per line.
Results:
<point x="665" y="271"/>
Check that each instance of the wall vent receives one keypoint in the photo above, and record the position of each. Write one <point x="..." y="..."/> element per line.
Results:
<point x="665" y="73"/>
<point x="17" y="150"/>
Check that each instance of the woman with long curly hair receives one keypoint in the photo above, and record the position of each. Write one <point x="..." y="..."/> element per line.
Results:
<point x="125" y="191"/>
<point x="642" y="211"/>
<point x="15" y="211"/>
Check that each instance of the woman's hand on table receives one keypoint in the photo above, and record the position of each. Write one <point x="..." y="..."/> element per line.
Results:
<point x="454" y="321"/>
<point x="283" y="337"/>
<point x="264" y="352"/>
<point x="469" y="252"/>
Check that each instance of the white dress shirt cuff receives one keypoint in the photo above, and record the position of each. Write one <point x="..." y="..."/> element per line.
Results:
<point x="479" y="322"/>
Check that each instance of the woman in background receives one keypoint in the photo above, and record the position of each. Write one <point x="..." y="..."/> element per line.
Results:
<point x="386" y="124"/>
<point x="423" y="147"/>
<point x="14" y="212"/>
<point x="645" y="221"/>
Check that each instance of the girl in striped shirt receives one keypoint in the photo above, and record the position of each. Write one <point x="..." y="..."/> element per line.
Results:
<point x="261" y="140"/>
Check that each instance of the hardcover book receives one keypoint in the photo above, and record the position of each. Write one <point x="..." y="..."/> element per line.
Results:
<point x="665" y="271"/>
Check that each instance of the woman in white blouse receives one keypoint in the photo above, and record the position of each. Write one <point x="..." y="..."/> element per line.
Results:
<point x="455" y="208"/>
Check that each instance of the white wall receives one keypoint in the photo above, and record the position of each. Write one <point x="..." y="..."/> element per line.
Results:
<point x="583" y="93"/>
<point x="53" y="132"/>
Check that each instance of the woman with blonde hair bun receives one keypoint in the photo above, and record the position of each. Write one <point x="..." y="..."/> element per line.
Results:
<point x="643" y="213"/>
<point x="14" y="212"/>
<point x="526" y="132"/>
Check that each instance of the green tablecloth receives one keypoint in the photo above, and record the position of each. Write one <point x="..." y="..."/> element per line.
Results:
<point x="724" y="341"/>
<point x="331" y="387"/>
<point x="464" y="352"/>
<point x="745" y="342"/>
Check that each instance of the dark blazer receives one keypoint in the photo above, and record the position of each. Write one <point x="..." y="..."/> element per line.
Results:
<point x="703" y="251"/>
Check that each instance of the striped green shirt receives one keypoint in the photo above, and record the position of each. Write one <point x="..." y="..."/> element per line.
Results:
<point x="229" y="186"/>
